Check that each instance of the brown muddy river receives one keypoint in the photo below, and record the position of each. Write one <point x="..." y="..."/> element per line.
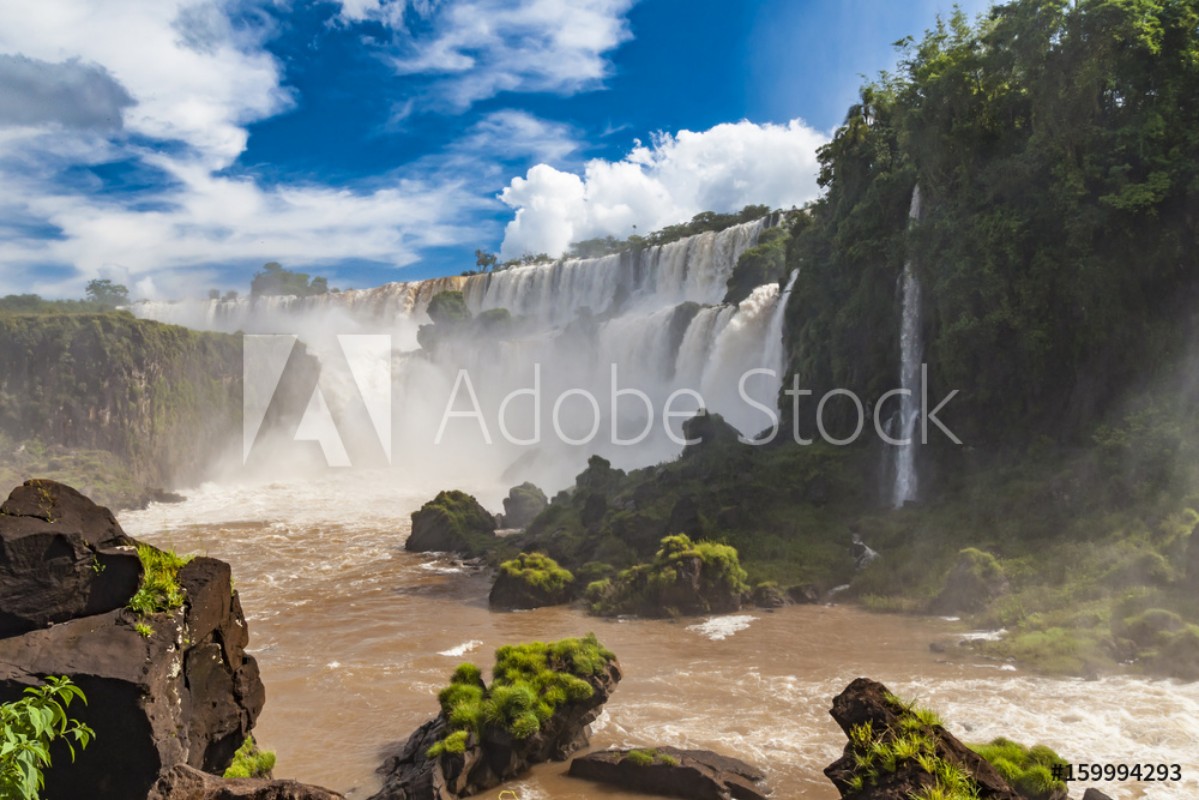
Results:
<point x="355" y="637"/>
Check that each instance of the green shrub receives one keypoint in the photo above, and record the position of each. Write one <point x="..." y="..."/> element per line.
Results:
<point x="1027" y="769"/>
<point x="539" y="571"/>
<point x="29" y="726"/>
<point x="642" y="758"/>
<point x="251" y="762"/>
<point x="159" y="589"/>
<point x="529" y="682"/>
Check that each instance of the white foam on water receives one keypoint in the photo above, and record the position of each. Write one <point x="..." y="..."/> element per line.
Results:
<point x="720" y="628"/>
<point x="983" y="636"/>
<point x="461" y="649"/>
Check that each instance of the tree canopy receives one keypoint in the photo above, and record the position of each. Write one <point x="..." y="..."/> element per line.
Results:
<point x="274" y="280"/>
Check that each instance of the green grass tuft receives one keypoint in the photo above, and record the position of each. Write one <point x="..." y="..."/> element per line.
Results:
<point x="159" y="589"/>
<point x="251" y="762"/>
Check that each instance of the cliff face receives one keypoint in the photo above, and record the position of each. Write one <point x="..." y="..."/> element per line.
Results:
<point x="160" y="399"/>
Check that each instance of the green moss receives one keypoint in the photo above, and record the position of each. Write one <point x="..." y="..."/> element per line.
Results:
<point x="642" y="758"/>
<point x="1027" y="769"/>
<point x="538" y="571"/>
<point x="159" y="589"/>
<point x="911" y="740"/>
<point x="529" y="682"/>
<point x="144" y="629"/>
<point x="251" y="762"/>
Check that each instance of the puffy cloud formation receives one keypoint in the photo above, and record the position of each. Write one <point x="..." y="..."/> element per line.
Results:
<point x="721" y="169"/>
<point x="479" y="48"/>
<point x="164" y="91"/>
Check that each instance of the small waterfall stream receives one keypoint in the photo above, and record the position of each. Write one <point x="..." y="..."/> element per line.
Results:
<point x="911" y="353"/>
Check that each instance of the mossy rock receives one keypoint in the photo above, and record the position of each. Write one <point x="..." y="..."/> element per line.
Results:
<point x="974" y="582"/>
<point x="685" y="577"/>
<point x="452" y="522"/>
<point x="522" y="505"/>
<point x="531" y="580"/>
<point x="1029" y="770"/>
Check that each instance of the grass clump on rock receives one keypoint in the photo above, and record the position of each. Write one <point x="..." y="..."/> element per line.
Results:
<point x="529" y="683"/>
<point x="1028" y="769"/>
<point x="452" y="522"/>
<point x="531" y="580"/>
<point x="251" y="762"/>
<point x="685" y="577"/>
<point x="159" y="589"/>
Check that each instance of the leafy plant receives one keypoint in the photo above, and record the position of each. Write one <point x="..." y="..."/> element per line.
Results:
<point x="251" y="762"/>
<point x="28" y="727"/>
<point x="159" y="589"/>
<point x="144" y="629"/>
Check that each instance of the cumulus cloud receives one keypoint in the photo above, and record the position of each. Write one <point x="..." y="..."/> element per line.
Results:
<point x="721" y="169"/>
<point x="476" y="49"/>
<point x="199" y="74"/>
<point x="34" y="92"/>
<point x="199" y="90"/>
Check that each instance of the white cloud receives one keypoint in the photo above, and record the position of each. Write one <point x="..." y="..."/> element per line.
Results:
<point x="199" y="89"/>
<point x="197" y="79"/>
<point x="517" y="134"/>
<point x="477" y="49"/>
<point x="722" y="169"/>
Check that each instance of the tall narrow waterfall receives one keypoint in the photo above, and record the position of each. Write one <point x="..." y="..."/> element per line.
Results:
<point x="911" y="353"/>
<point x="620" y="348"/>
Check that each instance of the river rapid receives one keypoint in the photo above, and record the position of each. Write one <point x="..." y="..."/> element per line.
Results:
<point x="355" y="637"/>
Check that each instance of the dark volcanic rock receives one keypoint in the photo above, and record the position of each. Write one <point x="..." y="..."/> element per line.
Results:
<point x="768" y="596"/>
<point x="452" y="522"/>
<point x="865" y="702"/>
<point x="61" y="556"/>
<point x="496" y="758"/>
<point x="522" y="505"/>
<point x="185" y="783"/>
<point x="805" y="593"/>
<point x="695" y="774"/>
<point x="185" y="694"/>
<point x="974" y="581"/>
<point x="1094" y="794"/>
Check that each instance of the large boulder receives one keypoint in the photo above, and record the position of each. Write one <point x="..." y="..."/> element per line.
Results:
<point x="452" y="522"/>
<point x="974" y="581"/>
<point x="170" y="688"/>
<point x="425" y="768"/>
<point x="523" y="504"/>
<point x="874" y="720"/>
<point x="61" y="557"/>
<point x="531" y="580"/>
<point x="182" y="782"/>
<point x="693" y="774"/>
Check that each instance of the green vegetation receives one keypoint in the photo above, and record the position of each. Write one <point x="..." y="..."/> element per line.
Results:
<point x="144" y="629"/>
<point x="667" y="585"/>
<point x="529" y="682"/>
<point x="30" y="725"/>
<point x="453" y="521"/>
<point x="645" y="758"/>
<point x="452" y="320"/>
<point x="159" y="589"/>
<point x="34" y="304"/>
<point x="1029" y="770"/>
<point x="115" y="404"/>
<point x="539" y="571"/>
<point x="107" y="294"/>
<point x="704" y="222"/>
<point x="765" y="262"/>
<point x="274" y="280"/>
<point x="251" y="762"/>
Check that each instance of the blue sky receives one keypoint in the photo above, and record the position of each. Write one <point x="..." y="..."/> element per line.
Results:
<point x="177" y="146"/>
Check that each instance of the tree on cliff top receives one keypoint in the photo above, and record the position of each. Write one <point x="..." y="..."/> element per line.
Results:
<point x="274" y="280"/>
<point x="107" y="293"/>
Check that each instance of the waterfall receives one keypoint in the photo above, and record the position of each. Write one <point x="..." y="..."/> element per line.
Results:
<point x="911" y="353"/>
<point x="653" y="317"/>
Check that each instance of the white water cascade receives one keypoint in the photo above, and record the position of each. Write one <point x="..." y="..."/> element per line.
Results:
<point x="911" y="354"/>
<point x="608" y="343"/>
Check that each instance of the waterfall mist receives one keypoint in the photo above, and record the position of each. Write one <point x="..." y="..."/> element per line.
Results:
<point x="596" y="352"/>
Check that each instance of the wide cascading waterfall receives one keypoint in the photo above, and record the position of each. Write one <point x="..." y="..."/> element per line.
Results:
<point x="911" y="354"/>
<point x="605" y="343"/>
